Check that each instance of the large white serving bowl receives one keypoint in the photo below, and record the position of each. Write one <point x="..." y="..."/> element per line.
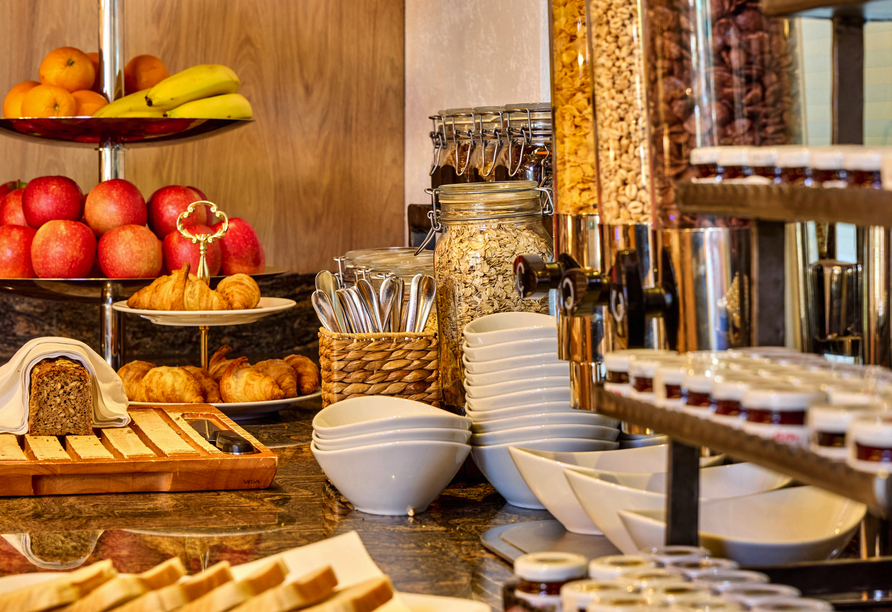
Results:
<point x="786" y="526"/>
<point x="509" y="326"/>
<point x="580" y="417"/>
<point x="396" y="478"/>
<point x="510" y="363"/>
<point x="364" y="415"/>
<point x="637" y="460"/>
<point x="496" y="464"/>
<point x="536" y="432"/>
<point x="539" y="370"/>
<point x="602" y="497"/>
<point x="442" y="434"/>
<point x="515" y="411"/>
<point x="515" y="386"/>
<point x="520" y="398"/>
<point x="516" y="348"/>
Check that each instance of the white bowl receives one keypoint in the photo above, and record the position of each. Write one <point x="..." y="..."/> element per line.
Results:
<point x="543" y="471"/>
<point x="442" y="434"/>
<point x="602" y="497"/>
<point x="561" y="368"/>
<point x="581" y="417"/>
<point x="786" y="526"/>
<point x="636" y="460"/>
<point x="496" y="464"/>
<point x="515" y="386"/>
<point x="511" y="363"/>
<point x="536" y="432"/>
<point x="520" y="398"/>
<point x="504" y="413"/>
<point x="397" y="478"/>
<point x="508" y="327"/>
<point x="362" y="415"/>
<point x="516" y="348"/>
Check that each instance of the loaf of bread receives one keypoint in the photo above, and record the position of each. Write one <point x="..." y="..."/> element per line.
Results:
<point x="61" y="399"/>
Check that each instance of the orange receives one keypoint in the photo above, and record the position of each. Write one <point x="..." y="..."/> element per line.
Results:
<point x="68" y="68"/>
<point x="12" y="104"/>
<point x="48" y="101"/>
<point x="143" y="72"/>
<point x="94" y="57"/>
<point x="88" y="102"/>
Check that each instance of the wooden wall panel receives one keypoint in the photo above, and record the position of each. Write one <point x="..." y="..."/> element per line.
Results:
<point x="319" y="172"/>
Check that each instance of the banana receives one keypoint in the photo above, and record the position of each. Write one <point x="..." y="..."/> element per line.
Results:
<point x="149" y="112"/>
<point x="227" y="106"/>
<point x="194" y="83"/>
<point x="128" y="104"/>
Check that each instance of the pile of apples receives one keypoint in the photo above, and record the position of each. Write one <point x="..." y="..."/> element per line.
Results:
<point x="49" y="230"/>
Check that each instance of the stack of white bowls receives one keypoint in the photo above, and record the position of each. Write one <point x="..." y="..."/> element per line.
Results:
<point x="518" y="394"/>
<point x="388" y="455"/>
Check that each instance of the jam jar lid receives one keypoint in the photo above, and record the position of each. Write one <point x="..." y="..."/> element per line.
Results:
<point x="704" y="155"/>
<point x="671" y="372"/>
<point x="705" y="565"/>
<point x="671" y="589"/>
<point x="873" y="429"/>
<point x="762" y="157"/>
<point x="621" y="601"/>
<point x="790" y="604"/>
<point x="644" y="577"/>
<point x="618" y="361"/>
<point x="705" y="603"/>
<point x="793" y="157"/>
<point x="837" y="417"/>
<point x="550" y="567"/>
<point x="733" y="156"/>
<point x="782" y="397"/>
<point x="727" y="387"/>
<point x="844" y="396"/>
<point x="863" y="160"/>
<point x="675" y="552"/>
<point x="611" y="566"/>
<point x="646" y="366"/>
<point x="751" y="594"/>
<point x="721" y="580"/>
<point x="698" y="381"/>
<point x="577" y="594"/>
<point x="829" y="158"/>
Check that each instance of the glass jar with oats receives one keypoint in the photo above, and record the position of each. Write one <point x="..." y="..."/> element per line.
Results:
<point x="485" y="227"/>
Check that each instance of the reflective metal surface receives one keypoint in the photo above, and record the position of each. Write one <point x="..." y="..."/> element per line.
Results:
<point x="797" y="311"/>
<point x="640" y="237"/>
<point x="111" y="80"/>
<point x="835" y="306"/>
<point x="874" y="257"/>
<point x="712" y="269"/>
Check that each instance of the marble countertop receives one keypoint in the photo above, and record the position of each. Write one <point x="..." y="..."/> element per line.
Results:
<point x="437" y="552"/>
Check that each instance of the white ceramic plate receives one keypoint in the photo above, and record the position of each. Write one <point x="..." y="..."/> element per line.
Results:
<point x="415" y="602"/>
<point x="241" y="411"/>
<point x="478" y="392"/>
<point x="508" y="327"/>
<point x="510" y="363"/>
<point x="192" y="318"/>
<point x="521" y="398"/>
<point x="578" y="417"/>
<point x="522" y="373"/>
<point x="517" y="348"/>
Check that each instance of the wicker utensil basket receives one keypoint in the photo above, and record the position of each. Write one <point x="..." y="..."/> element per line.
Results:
<point x="400" y="364"/>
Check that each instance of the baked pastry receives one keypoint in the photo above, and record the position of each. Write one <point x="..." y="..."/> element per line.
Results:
<point x="281" y="372"/>
<point x="198" y="296"/>
<point x="132" y="374"/>
<point x="165" y="292"/>
<point x="240" y="290"/>
<point x="169" y="386"/>
<point x="308" y="377"/>
<point x="61" y="398"/>
<point x="242" y="383"/>
<point x="209" y="387"/>
<point x="218" y="363"/>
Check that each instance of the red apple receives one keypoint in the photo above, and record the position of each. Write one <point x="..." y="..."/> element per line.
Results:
<point x="11" y="212"/>
<point x="179" y="250"/>
<point x="130" y="251"/>
<point x="198" y="191"/>
<point x="63" y="249"/>
<point x="242" y="251"/>
<point x="170" y="202"/>
<point x="52" y="198"/>
<point x="114" y="203"/>
<point x="10" y="187"/>
<point x="15" y="251"/>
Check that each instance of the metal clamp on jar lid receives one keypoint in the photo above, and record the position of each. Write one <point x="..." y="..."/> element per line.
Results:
<point x="827" y="425"/>
<point x="608" y="568"/>
<point x="778" y="411"/>
<point x="577" y="595"/>
<point x="720" y="581"/>
<point x="751" y="594"/>
<point x="869" y="440"/>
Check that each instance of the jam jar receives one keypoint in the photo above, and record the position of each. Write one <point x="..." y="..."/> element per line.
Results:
<point x="617" y="366"/>
<point x="706" y="565"/>
<point x="722" y="580"/>
<point x="778" y="411"/>
<point x="706" y="603"/>
<point x="619" y="603"/>
<point x="667" y="593"/>
<point x="667" y="383"/>
<point x="727" y="390"/>
<point x="794" y="169"/>
<point x="827" y="425"/>
<point x="763" y="161"/>
<point x="749" y="595"/>
<point x="704" y="162"/>
<point x="791" y="604"/>
<point x="642" y="370"/>
<point x="864" y="168"/>
<point x="577" y="595"/>
<point x="827" y="165"/>
<point x="696" y="387"/>
<point x="540" y="577"/>
<point x="734" y="164"/>
<point x="664" y="555"/>
<point x="608" y="568"/>
<point x="644" y="578"/>
<point x="869" y="440"/>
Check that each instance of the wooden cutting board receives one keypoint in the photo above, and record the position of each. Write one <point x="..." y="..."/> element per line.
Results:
<point x="158" y="451"/>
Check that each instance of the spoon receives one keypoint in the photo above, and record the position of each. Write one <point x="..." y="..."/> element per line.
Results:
<point x="329" y="283"/>
<point x="385" y="302"/>
<point x="412" y="306"/>
<point x="426" y="294"/>
<point x="325" y="311"/>
<point x="370" y="303"/>
<point x="353" y="318"/>
<point x="364" y="320"/>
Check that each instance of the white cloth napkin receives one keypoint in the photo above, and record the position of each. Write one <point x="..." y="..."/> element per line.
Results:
<point x="109" y="396"/>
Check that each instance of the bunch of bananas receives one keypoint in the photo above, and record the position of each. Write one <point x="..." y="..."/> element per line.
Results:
<point x="207" y="91"/>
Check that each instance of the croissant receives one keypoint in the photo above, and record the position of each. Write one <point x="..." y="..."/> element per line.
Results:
<point x="132" y="374"/>
<point x="308" y="378"/>
<point x="171" y="386"/>
<point x="242" y="383"/>
<point x="165" y="292"/>
<point x="240" y="290"/>
<point x="218" y="363"/>
<point x="281" y="372"/>
<point x="198" y="296"/>
<point x="209" y="387"/>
